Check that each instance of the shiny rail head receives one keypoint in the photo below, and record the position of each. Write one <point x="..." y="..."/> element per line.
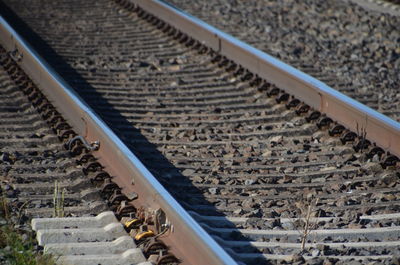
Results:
<point x="380" y="129"/>
<point x="89" y="124"/>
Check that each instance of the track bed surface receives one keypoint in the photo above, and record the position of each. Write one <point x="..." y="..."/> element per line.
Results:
<point x="266" y="182"/>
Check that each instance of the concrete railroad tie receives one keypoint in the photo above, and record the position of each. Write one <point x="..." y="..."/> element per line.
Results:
<point x="99" y="240"/>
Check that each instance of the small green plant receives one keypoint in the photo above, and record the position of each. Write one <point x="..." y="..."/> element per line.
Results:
<point x="58" y="200"/>
<point x="16" y="249"/>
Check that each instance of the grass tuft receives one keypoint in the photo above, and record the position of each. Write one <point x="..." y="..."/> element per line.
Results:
<point x="17" y="247"/>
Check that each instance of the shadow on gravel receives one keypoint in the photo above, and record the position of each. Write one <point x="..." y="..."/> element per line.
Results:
<point x="150" y="155"/>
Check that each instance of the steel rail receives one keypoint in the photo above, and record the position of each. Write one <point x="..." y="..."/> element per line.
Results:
<point x="187" y="238"/>
<point x="380" y="129"/>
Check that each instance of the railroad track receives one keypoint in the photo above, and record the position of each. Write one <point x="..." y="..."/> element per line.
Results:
<point x="268" y="176"/>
